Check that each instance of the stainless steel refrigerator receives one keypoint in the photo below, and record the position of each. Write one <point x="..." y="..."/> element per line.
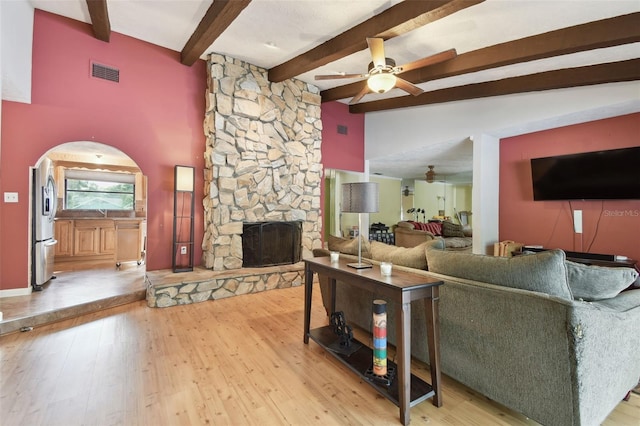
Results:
<point x="44" y="210"/>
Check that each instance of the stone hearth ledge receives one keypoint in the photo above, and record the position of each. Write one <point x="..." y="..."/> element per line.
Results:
<point x="166" y="288"/>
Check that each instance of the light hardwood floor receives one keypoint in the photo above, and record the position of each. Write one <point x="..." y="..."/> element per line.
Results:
<point x="236" y="361"/>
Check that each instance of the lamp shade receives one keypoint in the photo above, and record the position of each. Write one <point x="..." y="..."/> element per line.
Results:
<point x="360" y="197"/>
<point x="184" y="178"/>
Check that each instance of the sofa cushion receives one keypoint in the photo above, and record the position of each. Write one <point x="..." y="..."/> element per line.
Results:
<point x="450" y="229"/>
<point x="543" y="272"/>
<point x="413" y="257"/>
<point x="349" y="246"/>
<point x="405" y="224"/>
<point x="591" y="283"/>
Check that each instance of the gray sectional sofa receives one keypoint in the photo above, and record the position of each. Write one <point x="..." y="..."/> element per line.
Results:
<point x="512" y="329"/>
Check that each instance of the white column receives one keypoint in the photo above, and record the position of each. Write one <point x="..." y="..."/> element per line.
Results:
<point x="485" y="193"/>
<point x="365" y="217"/>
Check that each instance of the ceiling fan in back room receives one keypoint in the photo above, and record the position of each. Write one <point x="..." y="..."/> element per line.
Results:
<point x="383" y="72"/>
<point x="431" y="175"/>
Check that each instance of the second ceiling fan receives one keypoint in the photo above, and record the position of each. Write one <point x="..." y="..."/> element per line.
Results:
<point x="382" y="74"/>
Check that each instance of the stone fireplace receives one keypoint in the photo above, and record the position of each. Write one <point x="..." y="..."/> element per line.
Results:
<point x="262" y="158"/>
<point x="262" y="164"/>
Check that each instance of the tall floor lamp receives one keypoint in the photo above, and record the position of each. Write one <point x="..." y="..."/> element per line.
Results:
<point x="360" y="197"/>
<point x="183" y="218"/>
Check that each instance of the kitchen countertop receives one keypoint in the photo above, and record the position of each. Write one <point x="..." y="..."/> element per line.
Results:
<point x="100" y="218"/>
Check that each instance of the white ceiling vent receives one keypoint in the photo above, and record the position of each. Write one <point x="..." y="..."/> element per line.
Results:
<point x="105" y="72"/>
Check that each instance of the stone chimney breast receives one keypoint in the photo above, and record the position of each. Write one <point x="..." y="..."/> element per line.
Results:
<point x="262" y="159"/>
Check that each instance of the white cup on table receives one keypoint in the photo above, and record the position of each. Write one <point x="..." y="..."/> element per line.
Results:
<point x="385" y="268"/>
<point x="335" y="256"/>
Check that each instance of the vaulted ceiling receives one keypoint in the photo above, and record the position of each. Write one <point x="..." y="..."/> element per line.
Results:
<point x="272" y="26"/>
<point x="503" y="47"/>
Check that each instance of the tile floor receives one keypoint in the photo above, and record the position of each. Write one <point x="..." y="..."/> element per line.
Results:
<point x="74" y="293"/>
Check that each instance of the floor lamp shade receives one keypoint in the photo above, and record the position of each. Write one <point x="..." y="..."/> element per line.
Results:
<point x="184" y="178"/>
<point x="360" y="197"/>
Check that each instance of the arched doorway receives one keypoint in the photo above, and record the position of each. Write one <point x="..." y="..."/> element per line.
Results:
<point x="100" y="208"/>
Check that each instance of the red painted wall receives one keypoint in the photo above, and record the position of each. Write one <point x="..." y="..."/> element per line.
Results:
<point x="154" y="115"/>
<point x="342" y="152"/>
<point x="339" y="151"/>
<point x="609" y="226"/>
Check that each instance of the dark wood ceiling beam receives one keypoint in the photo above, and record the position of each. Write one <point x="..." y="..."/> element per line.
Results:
<point x="613" y="72"/>
<point x="593" y="35"/>
<point x="219" y="16"/>
<point x="396" y="20"/>
<point x="99" y="19"/>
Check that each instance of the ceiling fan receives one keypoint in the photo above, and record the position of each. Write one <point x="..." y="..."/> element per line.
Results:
<point x="430" y="175"/>
<point x="382" y="74"/>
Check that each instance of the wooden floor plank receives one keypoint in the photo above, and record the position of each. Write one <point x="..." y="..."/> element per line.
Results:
<point x="236" y="361"/>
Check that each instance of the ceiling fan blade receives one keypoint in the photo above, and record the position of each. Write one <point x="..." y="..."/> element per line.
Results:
<point x="335" y="76"/>
<point x="376" y="46"/>
<point x="408" y="87"/>
<point x="360" y="95"/>
<point x="429" y="60"/>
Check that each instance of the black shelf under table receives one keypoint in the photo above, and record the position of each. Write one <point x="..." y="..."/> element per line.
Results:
<point x="361" y="360"/>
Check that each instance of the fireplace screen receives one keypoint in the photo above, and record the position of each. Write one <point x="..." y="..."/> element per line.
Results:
<point x="271" y="243"/>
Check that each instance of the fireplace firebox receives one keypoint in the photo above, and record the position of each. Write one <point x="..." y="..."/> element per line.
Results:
<point x="271" y="243"/>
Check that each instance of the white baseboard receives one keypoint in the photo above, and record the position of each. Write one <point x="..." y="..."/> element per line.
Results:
<point x="16" y="292"/>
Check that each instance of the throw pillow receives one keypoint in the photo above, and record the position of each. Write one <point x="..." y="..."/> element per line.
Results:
<point x="413" y="257"/>
<point x="450" y="229"/>
<point x="436" y="244"/>
<point x="458" y="243"/>
<point x="544" y="272"/>
<point x="349" y="246"/>
<point x="591" y="283"/>
<point x="434" y="227"/>
<point x="320" y="252"/>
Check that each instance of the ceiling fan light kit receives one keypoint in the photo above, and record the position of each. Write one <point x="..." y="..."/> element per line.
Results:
<point x="382" y="82"/>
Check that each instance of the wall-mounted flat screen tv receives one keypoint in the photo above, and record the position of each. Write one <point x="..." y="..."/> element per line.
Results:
<point x="601" y="175"/>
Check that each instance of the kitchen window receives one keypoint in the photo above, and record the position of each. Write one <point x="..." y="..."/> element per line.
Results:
<point x="91" y="190"/>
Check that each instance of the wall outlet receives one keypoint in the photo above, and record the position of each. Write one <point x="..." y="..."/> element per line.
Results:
<point x="10" y="197"/>
<point x="577" y="221"/>
<point x="183" y="250"/>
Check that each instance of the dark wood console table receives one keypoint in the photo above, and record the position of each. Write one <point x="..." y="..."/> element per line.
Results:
<point x="405" y="390"/>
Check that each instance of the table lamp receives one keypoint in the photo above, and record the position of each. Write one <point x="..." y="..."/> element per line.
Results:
<point x="360" y="197"/>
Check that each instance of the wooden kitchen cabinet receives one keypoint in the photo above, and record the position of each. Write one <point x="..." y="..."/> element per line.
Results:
<point x="85" y="241"/>
<point x="93" y="237"/>
<point x="108" y="240"/>
<point x="128" y="241"/>
<point x="63" y="233"/>
<point x="98" y="241"/>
